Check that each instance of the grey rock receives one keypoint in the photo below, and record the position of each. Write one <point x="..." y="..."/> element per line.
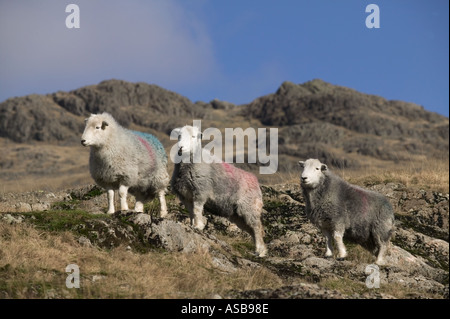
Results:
<point x="174" y="236"/>
<point x="84" y="241"/>
<point x="141" y="219"/>
<point x="11" y="219"/>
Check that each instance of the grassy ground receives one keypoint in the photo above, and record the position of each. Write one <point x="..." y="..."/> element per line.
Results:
<point x="33" y="256"/>
<point x="33" y="265"/>
<point x="430" y="175"/>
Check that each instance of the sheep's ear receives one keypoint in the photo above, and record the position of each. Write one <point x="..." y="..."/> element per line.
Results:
<point x="175" y="134"/>
<point x="301" y="164"/>
<point x="324" y="167"/>
<point x="104" y="125"/>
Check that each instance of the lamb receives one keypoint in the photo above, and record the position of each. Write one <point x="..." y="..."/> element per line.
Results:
<point x="219" y="187"/>
<point x="130" y="161"/>
<point x="340" y="209"/>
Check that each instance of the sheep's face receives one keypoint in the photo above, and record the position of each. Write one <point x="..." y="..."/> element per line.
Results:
<point x="96" y="131"/>
<point x="189" y="140"/>
<point x="312" y="172"/>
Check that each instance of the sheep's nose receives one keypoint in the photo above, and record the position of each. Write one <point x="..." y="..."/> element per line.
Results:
<point x="180" y="151"/>
<point x="304" y="179"/>
<point x="83" y="142"/>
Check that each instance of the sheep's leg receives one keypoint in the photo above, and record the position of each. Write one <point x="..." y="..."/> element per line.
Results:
<point x="139" y="206"/>
<point x="338" y="238"/>
<point x="253" y="226"/>
<point x="381" y="252"/>
<point x="162" y="201"/>
<point x="190" y="208"/>
<point x="258" y="236"/>
<point x="123" y="192"/>
<point x="382" y="247"/>
<point x="197" y="220"/>
<point x="329" y="239"/>
<point x="111" y="209"/>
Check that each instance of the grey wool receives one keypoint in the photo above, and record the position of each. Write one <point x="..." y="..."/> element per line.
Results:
<point x="124" y="160"/>
<point x="342" y="210"/>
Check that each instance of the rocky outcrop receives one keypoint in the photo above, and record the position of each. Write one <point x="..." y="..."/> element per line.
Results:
<point x="417" y="264"/>
<point x="59" y="117"/>
<point x="322" y="117"/>
<point x="327" y="120"/>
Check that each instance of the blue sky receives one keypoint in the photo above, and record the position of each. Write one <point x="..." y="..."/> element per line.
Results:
<point x="230" y="50"/>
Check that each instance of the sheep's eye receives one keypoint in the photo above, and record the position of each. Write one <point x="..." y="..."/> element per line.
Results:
<point x="317" y="168"/>
<point x="97" y="127"/>
<point x="179" y="137"/>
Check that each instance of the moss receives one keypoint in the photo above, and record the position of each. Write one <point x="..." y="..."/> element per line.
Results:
<point x="93" y="192"/>
<point x="152" y="208"/>
<point x="77" y="198"/>
<point x="60" y="220"/>
<point x="66" y="205"/>
<point x="245" y="249"/>
<point x="344" y="285"/>
<point x="271" y="205"/>
<point x="281" y="217"/>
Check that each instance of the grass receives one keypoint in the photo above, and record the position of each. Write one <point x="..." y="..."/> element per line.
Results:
<point x="344" y="286"/>
<point x="34" y="254"/>
<point x="33" y="262"/>
<point x="429" y="175"/>
<point x="351" y="288"/>
<point x="358" y="254"/>
<point x="60" y="220"/>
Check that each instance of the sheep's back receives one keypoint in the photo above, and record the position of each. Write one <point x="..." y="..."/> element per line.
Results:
<point x="220" y="185"/>
<point x="129" y="157"/>
<point x="155" y="144"/>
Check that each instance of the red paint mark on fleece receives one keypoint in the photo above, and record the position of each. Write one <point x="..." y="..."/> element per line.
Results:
<point x="238" y="174"/>
<point x="228" y="169"/>
<point x="148" y="147"/>
<point x="363" y="199"/>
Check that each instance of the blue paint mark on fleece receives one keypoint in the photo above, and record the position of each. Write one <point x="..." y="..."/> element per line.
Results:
<point x="155" y="144"/>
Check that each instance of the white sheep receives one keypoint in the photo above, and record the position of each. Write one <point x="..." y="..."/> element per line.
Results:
<point x="219" y="187"/>
<point x="126" y="160"/>
<point x="342" y="210"/>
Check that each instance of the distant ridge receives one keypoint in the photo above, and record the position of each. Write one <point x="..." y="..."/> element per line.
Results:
<point x="338" y="125"/>
<point x="316" y="114"/>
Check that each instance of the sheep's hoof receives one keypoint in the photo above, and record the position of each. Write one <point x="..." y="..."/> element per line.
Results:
<point x="199" y="227"/>
<point x="328" y="256"/>
<point x="380" y="262"/>
<point x="261" y="255"/>
<point x="162" y="214"/>
<point x="340" y="258"/>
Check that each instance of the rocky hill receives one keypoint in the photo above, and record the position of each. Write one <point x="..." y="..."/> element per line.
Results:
<point x="319" y="116"/>
<point x="39" y="134"/>
<point x="417" y="263"/>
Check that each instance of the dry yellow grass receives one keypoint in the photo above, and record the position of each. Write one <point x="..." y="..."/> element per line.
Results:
<point x="430" y="175"/>
<point x="32" y="265"/>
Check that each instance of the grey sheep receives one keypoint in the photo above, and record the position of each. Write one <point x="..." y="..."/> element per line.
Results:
<point x="129" y="161"/>
<point x="219" y="187"/>
<point x="340" y="210"/>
